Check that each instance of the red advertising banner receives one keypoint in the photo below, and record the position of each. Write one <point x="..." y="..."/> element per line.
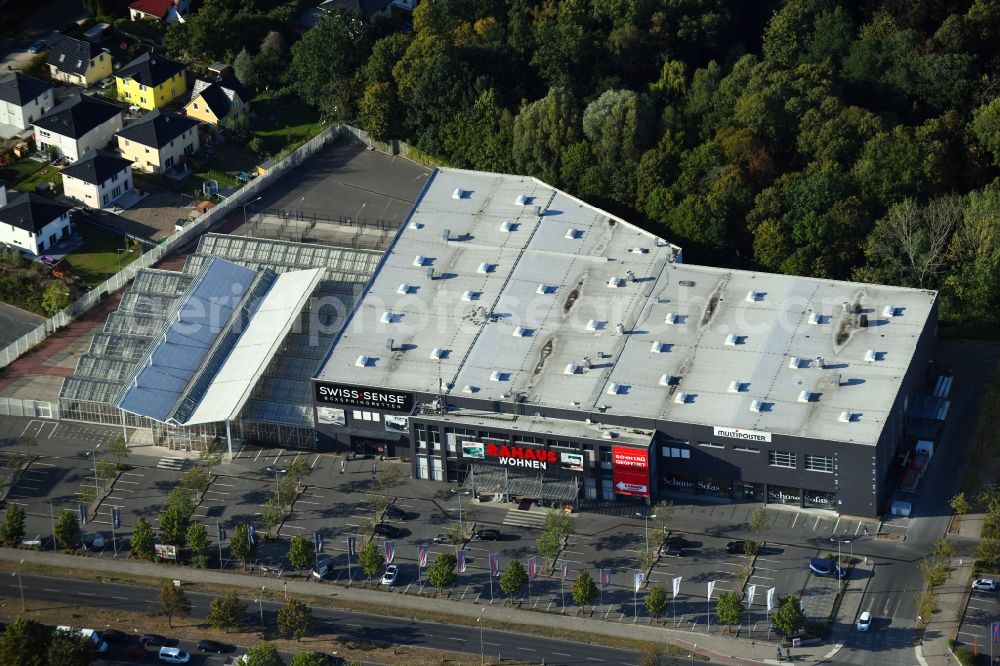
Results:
<point x="631" y="470"/>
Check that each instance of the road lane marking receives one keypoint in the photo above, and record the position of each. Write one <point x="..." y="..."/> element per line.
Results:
<point x="49" y="589"/>
<point x="86" y="594"/>
<point x="121" y="598"/>
<point x="561" y="654"/>
<point x="452" y="638"/>
<point x="527" y="649"/>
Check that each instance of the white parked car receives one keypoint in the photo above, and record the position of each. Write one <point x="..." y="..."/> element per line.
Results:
<point x="984" y="584"/>
<point x="865" y="621"/>
<point x="389" y="577"/>
<point x="172" y="655"/>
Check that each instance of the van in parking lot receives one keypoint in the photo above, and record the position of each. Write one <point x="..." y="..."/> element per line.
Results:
<point x="94" y="636"/>
<point x="323" y="568"/>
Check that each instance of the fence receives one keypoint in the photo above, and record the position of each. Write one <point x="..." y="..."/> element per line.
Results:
<point x="176" y="241"/>
<point x="35" y="408"/>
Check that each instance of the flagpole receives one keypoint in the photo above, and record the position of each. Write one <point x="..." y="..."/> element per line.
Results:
<point x="600" y="575"/>
<point x="531" y="568"/>
<point x="562" y="586"/>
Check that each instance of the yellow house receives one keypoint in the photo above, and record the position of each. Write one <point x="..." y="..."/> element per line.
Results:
<point x="151" y="81"/>
<point x="213" y="101"/>
<point x="76" y="61"/>
<point x="159" y="141"/>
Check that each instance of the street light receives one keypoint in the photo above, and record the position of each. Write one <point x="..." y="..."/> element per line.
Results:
<point x="260" y="604"/>
<point x="645" y="521"/>
<point x="839" y="567"/>
<point x="20" y="584"/>
<point x="245" y="209"/>
<point x="482" y="651"/>
<point x="97" y="488"/>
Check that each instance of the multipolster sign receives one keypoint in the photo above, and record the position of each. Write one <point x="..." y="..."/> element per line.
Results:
<point x="363" y="396"/>
<point x="631" y="470"/>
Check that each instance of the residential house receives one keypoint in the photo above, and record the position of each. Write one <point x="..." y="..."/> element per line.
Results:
<point x="159" y="140"/>
<point x="23" y="98"/>
<point x="32" y="222"/>
<point x="97" y="179"/>
<point x="367" y="9"/>
<point x="76" y="61"/>
<point x="215" y="100"/>
<point x="158" y="10"/>
<point x="79" y="124"/>
<point x="151" y="81"/>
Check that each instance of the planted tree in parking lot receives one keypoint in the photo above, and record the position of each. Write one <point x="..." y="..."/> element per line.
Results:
<point x="549" y="545"/>
<point x="273" y="513"/>
<point x="960" y="504"/>
<point x="13" y="525"/>
<point x="240" y="545"/>
<point x="300" y="552"/>
<point x="657" y="601"/>
<point x="514" y="578"/>
<point x="584" y="589"/>
<point x="67" y="530"/>
<point x="197" y="540"/>
<point x="788" y="617"/>
<point x="371" y="559"/>
<point x="662" y="515"/>
<point x="295" y="619"/>
<point x="118" y="447"/>
<point x="106" y="470"/>
<point x="173" y="602"/>
<point x="262" y="654"/>
<point x="69" y="648"/>
<point x="226" y="612"/>
<point x="174" y="524"/>
<point x="309" y="659"/>
<point x="197" y="480"/>
<point x="142" y="539"/>
<point x="298" y="469"/>
<point x="441" y="572"/>
<point x="987" y="551"/>
<point x="729" y="608"/>
<point x="25" y="643"/>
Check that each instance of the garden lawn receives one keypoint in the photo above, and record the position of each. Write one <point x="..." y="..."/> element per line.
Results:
<point x="283" y="121"/>
<point x="97" y="260"/>
<point x="45" y="175"/>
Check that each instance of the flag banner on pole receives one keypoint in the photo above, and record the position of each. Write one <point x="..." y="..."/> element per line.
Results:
<point x="995" y="631"/>
<point x="711" y="588"/>
<point x="770" y="598"/>
<point x="422" y="555"/>
<point x="605" y="578"/>
<point x="318" y="539"/>
<point x="251" y="533"/>
<point x="390" y="552"/>
<point x="751" y="593"/>
<point x="116" y="517"/>
<point x="84" y="514"/>
<point x="460" y="556"/>
<point x="494" y="564"/>
<point x="222" y="533"/>
<point x="351" y="543"/>
<point x="532" y="568"/>
<point x="565" y="569"/>
<point x="639" y="578"/>
<point x="677" y="586"/>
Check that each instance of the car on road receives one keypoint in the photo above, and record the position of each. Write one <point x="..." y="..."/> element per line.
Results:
<point x="37" y="46"/>
<point x="824" y="567"/>
<point x="671" y="550"/>
<point x="389" y="577"/>
<point x="154" y="640"/>
<point x="679" y="541"/>
<point x="984" y="584"/>
<point x="383" y="529"/>
<point x="115" y="636"/>
<point x="324" y="566"/>
<point x="394" y="512"/>
<point x="487" y="534"/>
<point x="172" y="655"/>
<point x="208" y="645"/>
<point x="865" y="621"/>
<point x="442" y="537"/>
<point x="739" y="547"/>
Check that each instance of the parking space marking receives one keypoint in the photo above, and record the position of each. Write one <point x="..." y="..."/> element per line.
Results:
<point x="795" y="519"/>
<point x="315" y="460"/>
<point x="836" y="525"/>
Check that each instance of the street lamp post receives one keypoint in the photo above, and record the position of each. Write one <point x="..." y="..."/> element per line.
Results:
<point x="20" y="584"/>
<point x="260" y="604"/>
<point x="245" y="210"/>
<point x="645" y="523"/>
<point x="482" y="651"/>
<point x="839" y="566"/>
<point x="97" y="488"/>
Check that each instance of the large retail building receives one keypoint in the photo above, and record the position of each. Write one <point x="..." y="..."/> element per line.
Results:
<point x="525" y="343"/>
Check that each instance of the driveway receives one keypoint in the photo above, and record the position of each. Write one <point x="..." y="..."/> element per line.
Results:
<point x="15" y="322"/>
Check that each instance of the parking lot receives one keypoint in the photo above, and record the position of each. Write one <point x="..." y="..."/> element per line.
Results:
<point x="982" y="609"/>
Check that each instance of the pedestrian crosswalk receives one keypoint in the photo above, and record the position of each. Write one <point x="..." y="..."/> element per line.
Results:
<point x="175" y="464"/>
<point x="518" y="518"/>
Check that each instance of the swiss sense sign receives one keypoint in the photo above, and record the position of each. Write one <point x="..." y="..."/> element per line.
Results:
<point x="631" y="470"/>
<point x="364" y="396"/>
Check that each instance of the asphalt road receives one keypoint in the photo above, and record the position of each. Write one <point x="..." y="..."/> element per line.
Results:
<point x="358" y="626"/>
<point x="15" y="322"/>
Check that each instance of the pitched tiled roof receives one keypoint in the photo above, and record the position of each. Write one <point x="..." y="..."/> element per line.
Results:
<point x="150" y="70"/>
<point x="17" y="88"/>
<point x="218" y="94"/>
<point x="157" y="128"/>
<point x="72" y="55"/>
<point x="157" y="8"/>
<point x="77" y="116"/>
<point x="96" y="166"/>
<point x="30" y="211"/>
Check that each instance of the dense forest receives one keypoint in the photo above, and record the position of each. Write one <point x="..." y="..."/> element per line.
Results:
<point x="851" y="140"/>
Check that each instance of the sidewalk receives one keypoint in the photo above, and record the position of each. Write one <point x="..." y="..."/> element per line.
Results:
<point x="951" y="598"/>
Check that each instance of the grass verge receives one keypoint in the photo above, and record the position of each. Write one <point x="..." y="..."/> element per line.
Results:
<point x="283" y="122"/>
<point x="98" y="258"/>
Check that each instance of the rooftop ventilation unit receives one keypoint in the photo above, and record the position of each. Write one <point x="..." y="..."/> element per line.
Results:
<point x="523" y="200"/>
<point x="390" y="344"/>
<point x="470" y="295"/>
<point x="508" y="226"/>
<point x="419" y="260"/>
<point x="639" y="250"/>
<point x="659" y="347"/>
<point x="848" y="417"/>
<point x="484" y="268"/>
<point x="614" y="389"/>
<point x="820" y="363"/>
<point x="446" y="235"/>
<point x="668" y="380"/>
<point x="571" y="369"/>
<point x="388" y="317"/>
<point x="437" y="353"/>
<point x="459" y="193"/>
<point x="889" y="311"/>
<point x="469" y="388"/>
<point x="497" y="376"/>
<point x="403" y="289"/>
<point x="594" y="325"/>
<point x="805" y="396"/>
<point x="871" y="355"/>
<point x="795" y="363"/>
<point x="756" y="406"/>
<point x="752" y="296"/>
<point x="545" y="289"/>
<point x="620" y="329"/>
<point x="521" y="332"/>
<point x="573" y="234"/>
<point x="616" y="282"/>
<point x="681" y="398"/>
<point x="539" y="211"/>
<point x="430" y="273"/>
<point x="416" y="225"/>
<point x="608" y="434"/>
<point x="736" y="386"/>
<point x="846" y="307"/>
<point x="672" y="318"/>
<point x="362" y="362"/>
<point x="732" y="340"/>
<point x="815" y="318"/>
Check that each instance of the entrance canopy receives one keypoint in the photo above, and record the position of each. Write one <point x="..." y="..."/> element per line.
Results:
<point x="493" y="480"/>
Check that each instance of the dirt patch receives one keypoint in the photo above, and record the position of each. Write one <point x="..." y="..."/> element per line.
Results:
<point x="158" y="212"/>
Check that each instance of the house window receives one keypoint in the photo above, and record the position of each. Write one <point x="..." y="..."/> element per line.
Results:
<point x="746" y="449"/>
<point x="676" y="452"/>
<point x="105" y="199"/>
<point x="196" y="105"/>
<point x="711" y="445"/>
<point x="781" y="459"/>
<point x="819" y="463"/>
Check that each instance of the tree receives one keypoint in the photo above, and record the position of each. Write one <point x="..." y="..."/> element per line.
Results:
<point x="441" y="572"/>
<point x="326" y="59"/>
<point x="298" y="470"/>
<point x="245" y="69"/>
<point x="106" y="470"/>
<point x="987" y="551"/>
<point x="174" y="524"/>
<point x="309" y="659"/>
<point x="300" y="552"/>
<point x="514" y="578"/>
<point x="69" y="648"/>
<point x="173" y="602"/>
<point x="662" y="515"/>
<point x="262" y="654"/>
<point x="729" y="608"/>
<point x="142" y="538"/>
<point x="196" y="480"/>
<point x="619" y="124"/>
<point x="584" y="589"/>
<point x="272" y="60"/>
<point x="657" y="601"/>
<point x="241" y="547"/>
<point x="197" y="540"/>
<point x="381" y="111"/>
<point x="542" y="130"/>
<point x="55" y="298"/>
<point x="549" y="544"/>
<point x="650" y="656"/>
<point x="25" y="643"/>
<point x="67" y="530"/>
<point x="118" y="447"/>
<point x="273" y="513"/>
<point x="371" y="559"/>
<point x="788" y="616"/>
<point x="226" y="612"/>
<point x="959" y="504"/>
<point x="759" y="522"/>
<point x="295" y="619"/>
<point x="13" y="526"/>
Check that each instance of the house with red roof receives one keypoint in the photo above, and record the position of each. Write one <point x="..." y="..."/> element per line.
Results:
<point x="158" y="10"/>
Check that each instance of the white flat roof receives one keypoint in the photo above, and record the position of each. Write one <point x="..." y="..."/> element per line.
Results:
<point x="524" y="299"/>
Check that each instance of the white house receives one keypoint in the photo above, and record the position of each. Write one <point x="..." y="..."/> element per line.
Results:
<point x="32" y="222"/>
<point x="97" y="179"/>
<point x="23" y="99"/>
<point x="170" y="11"/>
<point x="79" y="124"/>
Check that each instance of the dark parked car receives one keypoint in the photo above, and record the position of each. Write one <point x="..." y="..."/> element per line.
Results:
<point x="214" y="646"/>
<point x="155" y="640"/>
<point x="487" y="535"/>
<point x="739" y="547"/>
<point x="37" y="47"/>
<point x="679" y="541"/>
<point x="393" y="511"/>
<point x="823" y="567"/>
<point x="385" y="530"/>
<point x="115" y="636"/>
<point x="671" y="550"/>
